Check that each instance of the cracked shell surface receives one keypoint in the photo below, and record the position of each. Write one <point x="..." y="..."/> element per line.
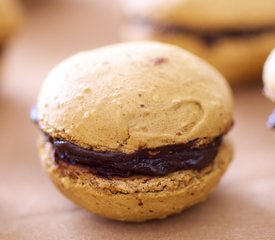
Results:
<point x="138" y="198"/>
<point x="134" y="95"/>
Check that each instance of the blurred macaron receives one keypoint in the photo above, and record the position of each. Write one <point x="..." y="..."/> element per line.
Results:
<point x="234" y="36"/>
<point x="269" y="84"/>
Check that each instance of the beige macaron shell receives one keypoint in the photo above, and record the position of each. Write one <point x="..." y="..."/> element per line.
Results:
<point x="134" y="95"/>
<point x="240" y="60"/>
<point x="11" y="14"/>
<point x="138" y="198"/>
<point x="210" y="14"/>
<point x="269" y="76"/>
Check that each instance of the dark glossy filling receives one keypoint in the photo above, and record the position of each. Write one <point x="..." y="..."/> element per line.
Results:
<point x="271" y="120"/>
<point x="209" y="37"/>
<point x="152" y="162"/>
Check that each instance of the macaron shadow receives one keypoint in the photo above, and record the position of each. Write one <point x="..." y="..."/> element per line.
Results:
<point x="219" y="213"/>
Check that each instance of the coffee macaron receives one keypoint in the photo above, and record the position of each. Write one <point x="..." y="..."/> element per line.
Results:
<point x="10" y="20"/>
<point x="269" y="84"/>
<point x="134" y="131"/>
<point x="234" y="36"/>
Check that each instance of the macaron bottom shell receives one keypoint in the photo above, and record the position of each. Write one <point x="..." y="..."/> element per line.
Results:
<point x="138" y="198"/>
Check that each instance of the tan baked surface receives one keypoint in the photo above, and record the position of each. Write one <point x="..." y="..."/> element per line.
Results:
<point x="10" y="17"/>
<point x="213" y="14"/>
<point x="133" y="95"/>
<point x="136" y="198"/>
<point x="269" y="76"/>
<point x="240" y="60"/>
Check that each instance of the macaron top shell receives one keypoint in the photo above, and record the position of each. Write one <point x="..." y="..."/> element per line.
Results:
<point x="134" y="95"/>
<point x="205" y="14"/>
<point x="269" y="76"/>
<point x="10" y="18"/>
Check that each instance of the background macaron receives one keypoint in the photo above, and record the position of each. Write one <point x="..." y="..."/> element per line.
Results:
<point x="132" y="97"/>
<point x="234" y="36"/>
<point x="269" y="76"/>
<point x="10" y="20"/>
<point x="269" y="83"/>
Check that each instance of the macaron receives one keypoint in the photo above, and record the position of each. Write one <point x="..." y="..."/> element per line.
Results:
<point x="234" y="36"/>
<point x="269" y="84"/>
<point x="134" y="131"/>
<point x="10" y="20"/>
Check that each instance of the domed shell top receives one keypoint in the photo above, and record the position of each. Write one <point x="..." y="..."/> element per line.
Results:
<point x="269" y="76"/>
<point x="204" y="14"/>
<point x="134" y="95"/>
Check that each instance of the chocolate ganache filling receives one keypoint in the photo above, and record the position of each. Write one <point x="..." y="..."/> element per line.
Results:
<point x="149" y="161"/>
<point x="152" y="162"/>
<point x="209" y="37"/>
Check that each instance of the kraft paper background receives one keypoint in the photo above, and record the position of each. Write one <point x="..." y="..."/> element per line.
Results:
<point x="243" y="206"/>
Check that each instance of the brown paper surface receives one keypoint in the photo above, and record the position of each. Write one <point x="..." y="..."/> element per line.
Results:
<point x="243" y="206"/>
